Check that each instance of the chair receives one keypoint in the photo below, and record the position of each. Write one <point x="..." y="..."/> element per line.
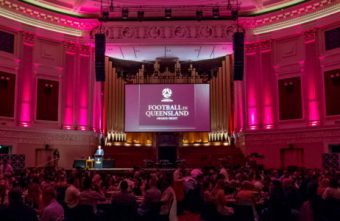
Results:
<point x="244" y="212"/>
<point x="209" y="211"/>
<point x="123" y="212"/>
<point x="153" y="213"/>
<point x="80" y="212"/>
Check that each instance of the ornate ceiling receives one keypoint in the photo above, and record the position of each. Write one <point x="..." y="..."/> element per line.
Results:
<point x="155" y="8"/>
<point x="187" y="40"/>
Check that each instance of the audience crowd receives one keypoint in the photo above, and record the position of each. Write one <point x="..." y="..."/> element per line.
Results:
<point x="225" y="193"/>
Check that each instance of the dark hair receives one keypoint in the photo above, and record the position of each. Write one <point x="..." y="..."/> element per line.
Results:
<point x="15" y="196"/>
<point x="87" y="183"/>
<point x="49" y="191"/>
<point x="123" y="185"/>
<point x="333" y="182"/>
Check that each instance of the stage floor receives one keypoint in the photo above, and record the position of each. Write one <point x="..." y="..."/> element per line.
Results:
<point x="130" y="169"/>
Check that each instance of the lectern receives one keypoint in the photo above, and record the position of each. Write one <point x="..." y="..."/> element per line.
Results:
<point x="98" y="161"/>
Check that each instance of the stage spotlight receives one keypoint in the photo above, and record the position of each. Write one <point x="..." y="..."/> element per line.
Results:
<point x="234" y="15"/>
<point x="140" y="15"/>
<point x="125" y="13"/>
<point x="199" y="15"/>
<point x="216" y="12"/>
<point x="167" y="13"/>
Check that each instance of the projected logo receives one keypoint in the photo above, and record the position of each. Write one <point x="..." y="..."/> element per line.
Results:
<point x="167" y="92"/>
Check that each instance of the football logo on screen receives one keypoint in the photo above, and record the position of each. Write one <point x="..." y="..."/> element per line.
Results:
<point x="167" y="92"/>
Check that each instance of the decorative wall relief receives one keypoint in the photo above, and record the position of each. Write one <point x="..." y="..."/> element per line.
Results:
<point x="218" y="32"/>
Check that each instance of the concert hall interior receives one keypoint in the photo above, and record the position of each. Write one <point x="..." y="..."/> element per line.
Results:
<point x="280" y="102"/>
<point x="166" y="84"/>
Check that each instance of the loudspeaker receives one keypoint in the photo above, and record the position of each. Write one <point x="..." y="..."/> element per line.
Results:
<point x="238" y="45"/>
<point x="79" y="164"/>
<point x="108" y="163"/>
<point x="100" y="56"/>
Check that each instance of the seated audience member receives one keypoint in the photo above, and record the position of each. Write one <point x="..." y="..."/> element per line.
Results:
<point x="151" y="199"/>
<point x="277" y="208"/>
<point x="89" y="196"/>
<point x="17" y="210"/>
<point x="34" y="196"/>
<point x="311" y="210"/>
<point x="168" y="209"/>
<point x="332" y="191"/>
<point x="246" y="195"/>
<point x="72" y="195"/>
<point x="124" y="205"/>
<point x="53" y="211"/>
<point x="7" y="169"/>
<point x="74" y="211"/>
<point x="219" y="199"/>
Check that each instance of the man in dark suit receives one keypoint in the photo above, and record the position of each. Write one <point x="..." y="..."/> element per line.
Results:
<point x="99" y="151"/>
<point x="124" y="204"/>
<point x="152" y="198"/>
<point x="16" y="209"/>
<point x="99" y="157"/>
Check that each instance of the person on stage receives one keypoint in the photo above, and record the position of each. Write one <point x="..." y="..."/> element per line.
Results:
<point x="99" y="152"/>
<point x="98" y="157"/>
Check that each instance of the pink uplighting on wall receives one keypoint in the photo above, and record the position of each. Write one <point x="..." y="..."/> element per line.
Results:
<point x="252" y="119"/>
<point x="83" y="116"/>
<point x="25" y="114"/>
<point x="82" y="128"/>
<point x="84" y="68"/>
<point x="314" y="123"/>
<point x="268" y="117"/>
<point x="68" y="127"/>
<point x="26" y="86"/>
<point x="253" y="127"/>
<point x="313" y="111"/>
<point x="68" y="119"/>
<point x="24" y="124"/>
<point x="69" y="85"/>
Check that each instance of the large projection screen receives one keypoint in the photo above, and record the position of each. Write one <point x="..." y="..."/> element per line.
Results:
<point x="167" y="107"/>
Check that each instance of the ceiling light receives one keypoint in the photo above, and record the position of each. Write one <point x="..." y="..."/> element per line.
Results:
<point x="216" y="12"/>
<point x="140" y="15"/>
<point x="125" y="13"/>
<point x="199" y="15"/>
<point x="167" y="13"/>
<point x="234" y="15"/>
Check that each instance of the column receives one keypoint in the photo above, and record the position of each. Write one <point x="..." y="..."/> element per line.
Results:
<point x="252" y="86"/>
<point x="268" y="82"/>
<point x="84" y="83"/>
<point x="25" y="80"/>
<point x="68" y="89"/>
<point x="312" y="78"/>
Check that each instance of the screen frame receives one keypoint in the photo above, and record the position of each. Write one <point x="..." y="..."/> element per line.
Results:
<point x="180" y="131"/>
